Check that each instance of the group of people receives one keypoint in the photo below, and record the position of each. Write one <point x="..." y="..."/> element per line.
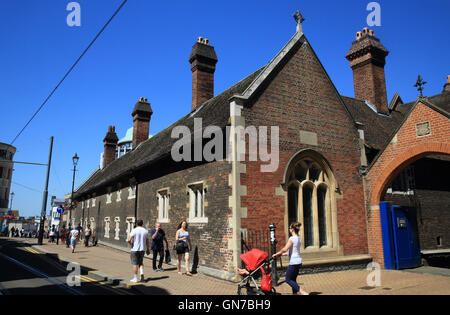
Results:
<point x="73" y="236"/>
<point x="139" y="240"/>
<point x="142" y="242"/>
<point x="15" y="232"/>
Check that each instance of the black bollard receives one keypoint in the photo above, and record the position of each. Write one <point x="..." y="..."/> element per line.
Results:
<point x="273" y="243"/>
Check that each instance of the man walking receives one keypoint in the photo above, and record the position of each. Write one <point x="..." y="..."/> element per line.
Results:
<point x="158" y="236"/>
<point x="140" y="245"/>
<point x="74" y="237"/>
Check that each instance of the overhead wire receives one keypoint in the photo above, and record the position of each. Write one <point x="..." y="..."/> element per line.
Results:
<point x="70" y="70"/>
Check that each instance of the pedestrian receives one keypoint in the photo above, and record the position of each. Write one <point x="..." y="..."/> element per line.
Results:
<point x="183" y="246"/>
<point x="87" y="235"/>
<point x="63" y="232"/>
<point x="68" y="236"/>
<point x="52" y="234"/>
<point x="158" y="238"/>
<point x="74" y="237"/>
<point x="295" y="259"/>
<point x="57" y="235"/>
<point x="94" y="237"/>
<point x="140" y="245"/>
<point x="13" y="230"/>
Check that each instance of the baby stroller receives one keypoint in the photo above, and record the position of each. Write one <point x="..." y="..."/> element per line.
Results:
<point x="255" y="260"/>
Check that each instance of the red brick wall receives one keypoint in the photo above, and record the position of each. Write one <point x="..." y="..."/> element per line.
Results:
<point x="202" y="87"/>
<point x="370" y="84"/>
<point x="396" y="157"/>
<point x="301" y="97"/>
<point x="141" y="127"/>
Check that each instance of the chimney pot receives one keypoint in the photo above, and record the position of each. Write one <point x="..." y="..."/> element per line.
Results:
<point x="447" y="85"/>
<point x="203" y="61"/>
<point x="358" y="35"/>
<point x="367" y="60"/>
<point x="141" y="114"/>
<point x="110" y="145"/>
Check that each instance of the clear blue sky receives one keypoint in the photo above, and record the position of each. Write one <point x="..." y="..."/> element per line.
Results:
<point x="144" y="53"/>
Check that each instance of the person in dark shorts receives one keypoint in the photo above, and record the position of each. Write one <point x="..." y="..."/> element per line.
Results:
<point x="140" y="245"/>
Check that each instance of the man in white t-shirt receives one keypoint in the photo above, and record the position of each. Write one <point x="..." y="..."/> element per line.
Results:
<point x="140" y="245"/>
<point x="74" y="236"/>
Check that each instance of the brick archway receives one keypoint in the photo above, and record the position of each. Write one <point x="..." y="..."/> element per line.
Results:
<point x="400" y="162"/>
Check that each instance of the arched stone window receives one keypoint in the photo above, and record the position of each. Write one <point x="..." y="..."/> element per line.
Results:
<point x="311" y="186"/>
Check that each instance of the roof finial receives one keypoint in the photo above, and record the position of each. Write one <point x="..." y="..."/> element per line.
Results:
<point x="419" y="85"/>
<point x="300" y="19"/>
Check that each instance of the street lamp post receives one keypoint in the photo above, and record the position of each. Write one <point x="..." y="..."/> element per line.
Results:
<point x="75" y="162"/>
<point x="44" y="199"/>
<point x="12" y="196"/>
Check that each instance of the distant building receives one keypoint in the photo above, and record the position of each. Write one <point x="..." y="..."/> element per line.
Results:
<point x="55" y="216"/>
<point x="6" y="169"/>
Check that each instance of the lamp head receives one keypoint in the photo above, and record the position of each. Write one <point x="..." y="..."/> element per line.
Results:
<point x="75" y="160"/>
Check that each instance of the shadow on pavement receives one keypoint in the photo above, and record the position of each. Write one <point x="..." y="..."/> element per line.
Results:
<point x="145" y="290"/>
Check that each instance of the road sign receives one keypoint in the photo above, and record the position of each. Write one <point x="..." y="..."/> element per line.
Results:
<point x="60" y="210"/>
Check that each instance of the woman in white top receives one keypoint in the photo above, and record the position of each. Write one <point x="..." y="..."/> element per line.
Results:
<point x="295" y="260"/>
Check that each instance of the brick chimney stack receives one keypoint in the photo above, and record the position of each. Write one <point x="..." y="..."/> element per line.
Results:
<point x="447" y="85"/>
<point x="203" y="61"/>
<point x="142" y="113"/>
<point x="110" y="145"/>
<point x="367" y="58"/>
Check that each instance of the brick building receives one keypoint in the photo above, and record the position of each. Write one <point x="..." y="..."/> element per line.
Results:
<point x="331" y="159"/>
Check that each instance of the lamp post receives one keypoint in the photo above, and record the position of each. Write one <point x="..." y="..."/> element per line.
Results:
<point x="75" y="162"/>
<point x="44" y="199"/>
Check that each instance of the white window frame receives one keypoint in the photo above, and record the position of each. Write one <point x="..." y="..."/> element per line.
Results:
<point x="130" y="225"/>
<point x="163" y="196"/>
<point x="117" y="229"/>
<point x="132" y="192"/>
<point x="197" y="205"/>
<point x="119" y="195"/>
<point x="108" y="197"/>
<point x="107" y="221"/>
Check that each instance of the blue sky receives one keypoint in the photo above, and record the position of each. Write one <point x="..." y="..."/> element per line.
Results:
<point x="144" y="53"/>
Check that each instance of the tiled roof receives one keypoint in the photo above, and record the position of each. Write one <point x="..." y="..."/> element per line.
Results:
<point x="378" y="129"/>
<point x="214" y="112"/>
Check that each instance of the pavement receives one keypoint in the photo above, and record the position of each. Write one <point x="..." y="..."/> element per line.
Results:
<point x="114" y="265"/>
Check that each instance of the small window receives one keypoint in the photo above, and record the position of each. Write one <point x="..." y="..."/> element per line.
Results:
<point x="196" y="202"/>
<point x="439" y="240"/>
<point x="163" y="205"/>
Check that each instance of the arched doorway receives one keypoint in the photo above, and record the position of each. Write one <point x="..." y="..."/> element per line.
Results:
<point x="416" y="182"/>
